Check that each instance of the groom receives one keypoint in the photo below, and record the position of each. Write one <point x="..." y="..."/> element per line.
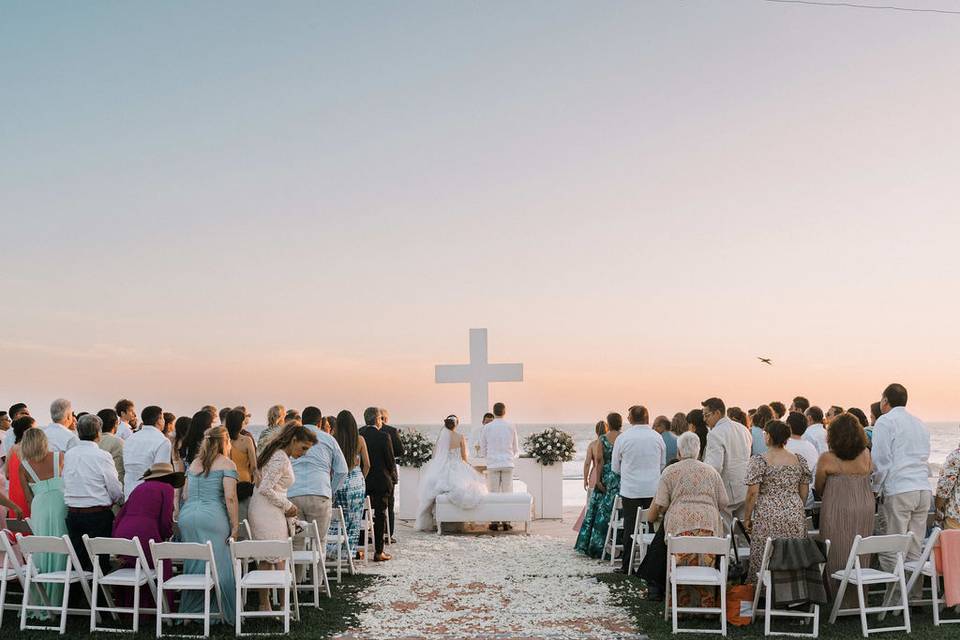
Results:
<point x="499" y="445"/>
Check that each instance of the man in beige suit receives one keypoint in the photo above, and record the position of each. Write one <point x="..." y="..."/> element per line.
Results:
<point x="110" y="441"/>
<point x="728" y="451"/>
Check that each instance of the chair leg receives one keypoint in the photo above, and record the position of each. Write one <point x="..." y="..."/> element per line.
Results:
<point x="768" y="607"/>
<point x="723" y="610"/>
<point x="839" y="598"/>
<point x="206" y="614"/>
<point x="863" y="611"/>
<point x="66" y="603"/>
<point x="136" y="608"/>
<point x="935" y="597"/>
<point x="905" y="598"/>
<point x="673" y="592"/>
<point x="25" y="603"/>
<point x="93" y="600"/>
<point x="3" y="595"/>
<point x="159" y="607"/>
<point x="286" y="610"/>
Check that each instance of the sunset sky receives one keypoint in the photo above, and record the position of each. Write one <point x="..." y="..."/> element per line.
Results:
<point x="312" y="202"/>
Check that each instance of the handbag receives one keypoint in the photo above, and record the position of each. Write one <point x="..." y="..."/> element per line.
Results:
<point x="244" y="490"/>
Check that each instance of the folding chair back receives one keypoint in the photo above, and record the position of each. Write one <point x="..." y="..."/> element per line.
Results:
<point x="613" y="528"/>
<point x="137" y="577"/>
<point x="765" y="584"/>
<point x="204" y="582"/>
<point x="894" y="543"/>
<point x="312" y="559"/>
<point x="367" y="520"/>
<point x="282" y="579"/>
<point x="678" y="575"/>
<point x="345" y="546"/>
<point x="10" y="571"/>
<point x="642" y="537"/>
<point x="73" y="573"/>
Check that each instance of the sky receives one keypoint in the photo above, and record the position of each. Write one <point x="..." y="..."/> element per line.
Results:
<point x="312" y="202"/>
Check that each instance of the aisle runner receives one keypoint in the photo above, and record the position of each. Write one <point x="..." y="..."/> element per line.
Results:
<point x="511" y="586"/>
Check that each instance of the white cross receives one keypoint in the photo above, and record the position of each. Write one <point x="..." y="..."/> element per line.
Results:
<point x="479" y="373"/>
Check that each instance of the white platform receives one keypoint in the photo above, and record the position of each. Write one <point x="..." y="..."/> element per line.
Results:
<point x="494" y="507"/>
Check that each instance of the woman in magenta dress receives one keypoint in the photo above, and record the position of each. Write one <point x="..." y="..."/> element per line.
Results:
<point x="148" y="515"/>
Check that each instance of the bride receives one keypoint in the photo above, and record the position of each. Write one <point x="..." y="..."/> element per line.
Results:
<point x="449" y="473"/>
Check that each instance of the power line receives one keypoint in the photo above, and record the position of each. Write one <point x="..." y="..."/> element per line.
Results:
<point x="852" y="5"/>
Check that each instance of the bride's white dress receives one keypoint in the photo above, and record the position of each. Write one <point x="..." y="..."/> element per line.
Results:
<point x="447" y="473"/>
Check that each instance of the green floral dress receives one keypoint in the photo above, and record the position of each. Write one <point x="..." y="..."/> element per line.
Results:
<point x="593" y="532"/>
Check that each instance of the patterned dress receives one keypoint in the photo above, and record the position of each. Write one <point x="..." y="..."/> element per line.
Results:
<point x="593" y="532"/>
<point x="778" y="512"/>
<point x="948" y="490"/>
<point x="350" y="496"/>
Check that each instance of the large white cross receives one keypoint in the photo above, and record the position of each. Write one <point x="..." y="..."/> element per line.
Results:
<point x="479" y="373"/>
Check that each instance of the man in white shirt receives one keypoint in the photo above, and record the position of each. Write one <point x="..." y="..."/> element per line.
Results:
<point x="61" y="434"/>
<point x="798" y="446"/>
<point x="901" y="449"/>
<point x="500" y="446"/>
<point x="17" y="410"/>
<point x="639" y="455"/>
<point x="145" y="448"/>
<point x="728" y="451"/>
<point x="91" y="488"/>
<point x="816" y="433"/>
<point x="128" y="418"/>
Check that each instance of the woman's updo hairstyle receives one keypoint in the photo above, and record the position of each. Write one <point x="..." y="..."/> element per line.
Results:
<point x="451" y="422"/>
<point x="778" y="431"/>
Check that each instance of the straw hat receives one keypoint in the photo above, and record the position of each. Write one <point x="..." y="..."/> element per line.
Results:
<point x="164" y="470"/>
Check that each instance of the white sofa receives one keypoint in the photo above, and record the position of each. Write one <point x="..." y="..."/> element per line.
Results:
<point x="494" y="507"/>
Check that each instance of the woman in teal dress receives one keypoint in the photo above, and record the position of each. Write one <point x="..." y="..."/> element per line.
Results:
<point x="210" y="512"/>
<point x="593" y="532"/>
<point x="43" y="487"/>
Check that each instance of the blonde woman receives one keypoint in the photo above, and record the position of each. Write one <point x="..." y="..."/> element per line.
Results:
<point x="275" y="416"/>
<point x="210" y="512"/>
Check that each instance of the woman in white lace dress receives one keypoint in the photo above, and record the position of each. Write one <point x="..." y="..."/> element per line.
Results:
<point x="448" y="473"/>
<point x="269" y="507"/>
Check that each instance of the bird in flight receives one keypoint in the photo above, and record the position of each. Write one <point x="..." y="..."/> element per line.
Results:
<point x="765" y="360"/>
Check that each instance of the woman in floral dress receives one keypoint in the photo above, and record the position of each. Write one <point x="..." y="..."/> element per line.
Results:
<point x="593" y="532"/>
<point x="947" y="497"/>
<point x="777" y="485"/>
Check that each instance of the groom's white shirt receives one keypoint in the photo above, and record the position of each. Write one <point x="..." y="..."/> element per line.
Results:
<point x="499" y="444"/>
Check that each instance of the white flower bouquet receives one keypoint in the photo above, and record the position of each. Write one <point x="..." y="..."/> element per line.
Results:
<point x="550" y="446"/>
<point x="417" y="450"/>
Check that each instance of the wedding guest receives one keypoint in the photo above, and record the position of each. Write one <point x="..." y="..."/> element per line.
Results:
<point x="275" y="416"/>
<point x="209" y="513"/>
<point x="350" y="496"/>
<point x="200" y="423"/>
<point x="777" y="486"/>
<point x="5" y="423"/>
<point x="18" y="410"/>
<point x="109" y="441"/>
<point x="678" y="426"/>
<point x="832" y="413"/>
<point x="61" y="433"/>
<point x="875" y="414"/>
<point x="737" y="415"/>
<point x="41" y="476"/>
<point x="17" y="488"/>
<point x="292" y="415"/>
<point x="169" y="420"/>
<point x="696" y="424"/>
<point x="398" y="453"/>
<point x="500" y="446"/>
<point x="11" y="506"/>
<point x="91" y="488"/>
<point x="128" y="418"/>
<point x="180" y="430"/>
<point x="243" y="452"/>
<point x="246" y="423"/>
<point x="843" y="482"/>
<point x="800" y="405"/>
<point x="728" y="451"/>
<point x="214" y="414"/>
<point x="380" y="479"/>
<point x="592" y="468"/>
<point x="145" y="448"/>
<point x="147" y="514"/>
<point x="901" y="449"/>
<point x="271" y="512"/>
<point x="593" y="532"/>
<point x="947" y="497"/>
<point x="222" y="415"/>
<point x="800" y="446"/>
<point x="692" y="495"/>
<point x="318" y="474"/>
<point x="860" y="416"/>
<point x="779" y="409"/>
<point x="816" y="433"/>
<point x="758" y="445"/>
<point x="328" y="424"/>
<point x="661" y="424"/>
<point x="639" y="456"/>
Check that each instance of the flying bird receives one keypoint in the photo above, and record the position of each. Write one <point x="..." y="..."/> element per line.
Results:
<point x="765" y="360"/>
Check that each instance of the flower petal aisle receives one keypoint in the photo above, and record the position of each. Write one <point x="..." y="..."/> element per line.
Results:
<point x="512" y="586"/>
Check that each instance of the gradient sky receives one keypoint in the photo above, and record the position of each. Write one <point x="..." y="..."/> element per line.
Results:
<point x="309" y="202"/>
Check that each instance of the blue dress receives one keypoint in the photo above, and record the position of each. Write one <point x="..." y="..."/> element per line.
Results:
<point x="48" y="517"/>
<point x="204" y="517"/>
<point x="351" y="497"/>
<point x="593" y="532"/>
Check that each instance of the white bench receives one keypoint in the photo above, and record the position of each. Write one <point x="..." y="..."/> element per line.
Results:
<point x="493" y="507"/>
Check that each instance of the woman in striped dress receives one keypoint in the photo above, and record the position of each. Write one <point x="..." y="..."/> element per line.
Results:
<point x="351" y="495"/>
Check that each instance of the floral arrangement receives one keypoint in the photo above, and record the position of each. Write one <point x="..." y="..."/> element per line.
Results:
<point x="549" y="446"/>
<point x="417" y="450"/>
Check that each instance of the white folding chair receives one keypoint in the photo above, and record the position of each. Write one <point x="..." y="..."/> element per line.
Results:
<point x="282" y="579"/>
<point x="367" y="520"/>
<point x="862" y="578"/>
<point x="136" y="577"/>
<point x="613" y="528"/>
<point x="696" y="576"/>
<point x="12" y="571"/>
<point x="72" y="574"/>
<point x="642" y="537"/>
<point x="205" y="582"/>
<point x="765" y="583"/>
<point x="926" y="566"/>
<point x="739" y="545"/>
<point x="313" y="558"/>
<point x="342" y="540"/>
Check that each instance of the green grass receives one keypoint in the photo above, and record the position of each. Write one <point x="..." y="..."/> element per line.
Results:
<point x="629" y="593"/>
<point x="335" y="615"/>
